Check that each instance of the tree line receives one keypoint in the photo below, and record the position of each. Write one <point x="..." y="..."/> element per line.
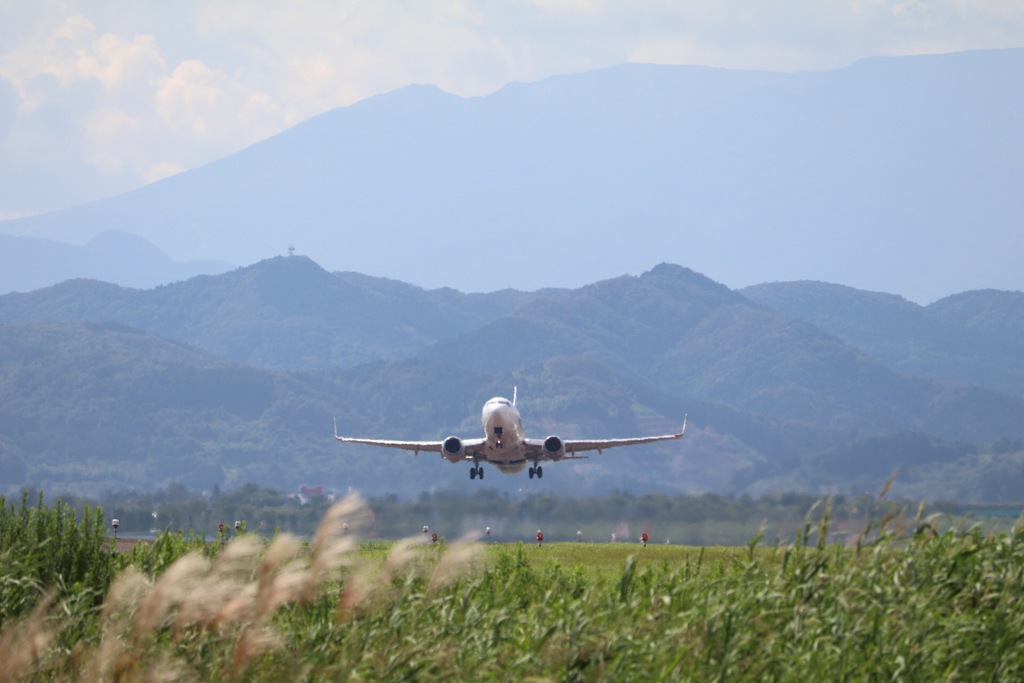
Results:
<point x="700" y="519"/>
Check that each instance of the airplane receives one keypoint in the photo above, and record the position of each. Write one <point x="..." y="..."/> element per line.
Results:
<point x="504" y="445"/>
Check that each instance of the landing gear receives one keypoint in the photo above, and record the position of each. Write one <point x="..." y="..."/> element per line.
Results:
<point x="476" y="471"/>
<point x="538" y="470"/>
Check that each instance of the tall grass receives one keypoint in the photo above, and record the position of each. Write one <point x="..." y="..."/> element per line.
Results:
<point x="46" y="547"/>
<point x="901" y="602"/>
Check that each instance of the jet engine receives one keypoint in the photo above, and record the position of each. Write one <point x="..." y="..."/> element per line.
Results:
<point x="554" y="448"/>
<point x="452" y="449"/>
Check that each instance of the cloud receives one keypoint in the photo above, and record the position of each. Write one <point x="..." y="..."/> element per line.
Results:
<point x="74" y="53"/>
<point x="190" y="95"/>
<point x="80" y="98"/>
<point x="121" y="64"/>
<point x="209" y="106"/>
<point x="139" y="89"/>
<point x="9" y="104"/>
<point x="161" y="170"/>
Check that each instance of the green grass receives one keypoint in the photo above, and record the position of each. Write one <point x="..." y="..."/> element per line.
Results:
<point x="604" y="561"/>
<point x="913" y="603"/>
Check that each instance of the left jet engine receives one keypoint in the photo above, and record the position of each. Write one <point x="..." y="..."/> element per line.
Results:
<point x="554" y="448"/>
<point x="452" y="449"/>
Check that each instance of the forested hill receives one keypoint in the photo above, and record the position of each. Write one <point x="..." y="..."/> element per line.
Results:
<point x="284" y="313"/>
<point x="109" y="387"/>
<point x="974" y="337"/>
<point x="95" y="407"/>
<point x="692" y="337"/>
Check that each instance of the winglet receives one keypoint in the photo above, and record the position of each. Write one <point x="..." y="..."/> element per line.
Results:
<point x="683" y="430"/>
<point x="514" y="390"/>
<point x="336" y="429"/>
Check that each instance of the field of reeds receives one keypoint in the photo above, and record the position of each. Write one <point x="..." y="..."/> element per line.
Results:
<point x="908" y="599"/>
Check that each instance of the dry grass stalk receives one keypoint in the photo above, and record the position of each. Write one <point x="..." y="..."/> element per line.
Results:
<point x="459" y="559"/>
<point x="173" y="588"/>
<point x="112" y="655"/>
<point x="233" y="597"/>
<point x="402" y="555"/>
<point x="167" y="669"/>
<point x="282" y="577"/>
<point x="23" y="643"/>
<point x="368" y="585"/>
<point x="332" y="547"/>
<point x="254" y="641"/>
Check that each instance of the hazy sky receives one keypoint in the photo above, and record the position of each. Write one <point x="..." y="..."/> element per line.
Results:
<point x="100" y="97"/>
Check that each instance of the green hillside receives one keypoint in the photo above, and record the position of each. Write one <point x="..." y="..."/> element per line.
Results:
<point x="973" y="338"/>
<point x="223" y="380"/>
<point x="284" y="312"/>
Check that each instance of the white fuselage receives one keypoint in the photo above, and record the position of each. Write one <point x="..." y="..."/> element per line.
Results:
<point x="505" y="446"/>
<point x="503" y="431"/>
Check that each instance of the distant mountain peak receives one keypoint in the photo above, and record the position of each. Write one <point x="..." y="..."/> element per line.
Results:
<point x="674" y="271"/>
<point x="115" y="256"/>
<point x="868" y="175"/>
<point x="827" y="294"/>
<point x="680" y="279"/>
<point x="292" y="263"/>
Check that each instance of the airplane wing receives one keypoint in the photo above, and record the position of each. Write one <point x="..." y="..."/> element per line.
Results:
<point x="431" y="446"/>
<point x="469" y="445"/>
<point x="573" y="446"/>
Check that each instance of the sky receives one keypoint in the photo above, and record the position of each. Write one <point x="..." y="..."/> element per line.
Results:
<point x="97" y="98"/>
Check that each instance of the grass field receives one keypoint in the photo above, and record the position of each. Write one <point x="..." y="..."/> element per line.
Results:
<point x="606" y="560"/>
<point x="913" y="603"/>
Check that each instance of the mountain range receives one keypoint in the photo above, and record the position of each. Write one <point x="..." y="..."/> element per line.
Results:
<point x="897" y="174"/>
<point x="224" y="379"/>
<point x="28" y="263"/>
